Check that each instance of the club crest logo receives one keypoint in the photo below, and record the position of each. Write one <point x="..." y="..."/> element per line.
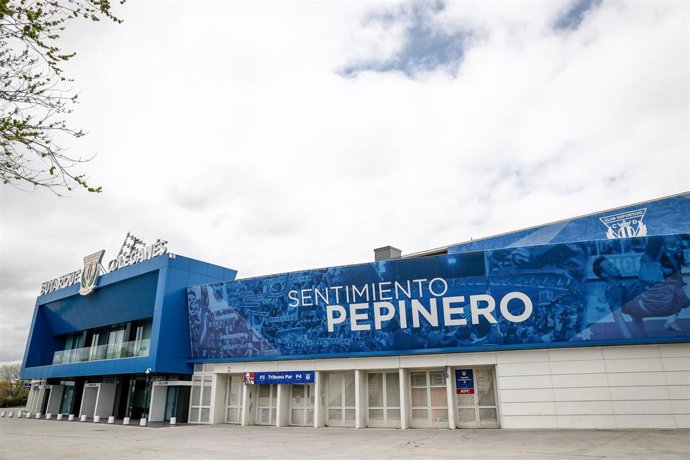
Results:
<point x="89" y="275"/>
<point x="627" y="224"/>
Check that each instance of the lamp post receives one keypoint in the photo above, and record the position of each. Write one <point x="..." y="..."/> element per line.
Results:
<point x="148" y="393"/>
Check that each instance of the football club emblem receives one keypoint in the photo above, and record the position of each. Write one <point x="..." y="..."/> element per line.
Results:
<point x="627" y="224"/>
<point x="89" y="275"/>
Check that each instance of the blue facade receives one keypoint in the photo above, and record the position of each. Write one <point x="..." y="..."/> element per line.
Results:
<point x="474" y="298"/>
<point x="153" y="291"/>
<point x="613" y="278"/>
<point x="658" y="217"/>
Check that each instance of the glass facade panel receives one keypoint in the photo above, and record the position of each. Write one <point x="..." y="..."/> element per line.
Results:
<point x="67" y="396"/>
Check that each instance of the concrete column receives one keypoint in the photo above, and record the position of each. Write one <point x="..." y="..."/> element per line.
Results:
<point x="29" y="399"/>
<point x="319" y="399"/>
<point x="220" y="382"/>
<point x="39" y="399"/>
<point x="248" y="404"/>
<point x="157" y="407"/>
<point x="283" y="405"/>
<point x="54" y="399"/>
<point x="450" y="397"/>
<point x="405" y="412"/>
<point x="360" y="398"/>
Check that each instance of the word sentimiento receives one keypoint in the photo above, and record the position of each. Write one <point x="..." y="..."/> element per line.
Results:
<point x="371" y="306"/>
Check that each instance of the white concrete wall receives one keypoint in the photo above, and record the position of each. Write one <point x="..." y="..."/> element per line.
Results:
<point x="646" y="386"/>
<point x="88" y="400"/>
<point x="159" y="395"/>
<point x="55" y="399"/>
<point x="641" y="386"/>
<point x="106" y="399"/>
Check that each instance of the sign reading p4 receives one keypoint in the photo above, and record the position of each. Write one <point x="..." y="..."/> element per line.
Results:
<point x="464" y="381"/>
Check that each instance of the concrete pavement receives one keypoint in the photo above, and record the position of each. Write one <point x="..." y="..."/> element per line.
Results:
<point x="30" y="438"/>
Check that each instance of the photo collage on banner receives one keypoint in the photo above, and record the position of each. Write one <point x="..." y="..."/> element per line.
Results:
<point x="605" y="291"/>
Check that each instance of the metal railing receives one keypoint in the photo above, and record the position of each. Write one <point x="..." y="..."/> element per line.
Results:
<point x="98" y="353"/>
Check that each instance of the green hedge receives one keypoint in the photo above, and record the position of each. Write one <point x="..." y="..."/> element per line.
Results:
<point x="19" y="401"/>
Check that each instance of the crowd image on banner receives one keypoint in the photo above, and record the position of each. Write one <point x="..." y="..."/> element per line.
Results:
<point x="599" y="291"/>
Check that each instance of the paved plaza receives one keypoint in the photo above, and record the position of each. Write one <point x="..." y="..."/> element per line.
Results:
<point x="30" y="438"/>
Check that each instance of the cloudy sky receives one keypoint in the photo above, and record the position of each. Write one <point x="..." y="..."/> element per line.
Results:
<point x="277" y="136"/>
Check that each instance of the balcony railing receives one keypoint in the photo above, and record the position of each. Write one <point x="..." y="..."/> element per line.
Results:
<point x="98" y="353"/>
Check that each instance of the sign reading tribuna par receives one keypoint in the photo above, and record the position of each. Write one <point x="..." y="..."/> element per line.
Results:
<point x="133" y="251"/>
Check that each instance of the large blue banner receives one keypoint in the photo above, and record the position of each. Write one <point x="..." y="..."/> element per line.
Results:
<point x="588" y="293"/>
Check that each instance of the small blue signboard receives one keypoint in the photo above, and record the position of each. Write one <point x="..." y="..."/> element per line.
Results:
<point x="266" y="378"/>
<point x="464" y="381"/>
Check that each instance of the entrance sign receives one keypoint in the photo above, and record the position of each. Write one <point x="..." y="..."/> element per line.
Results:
<point x="133" y="251"/>
<point x="266" y="378"/>
<point x="61" y="282"/>
<point x="464" y="381"/>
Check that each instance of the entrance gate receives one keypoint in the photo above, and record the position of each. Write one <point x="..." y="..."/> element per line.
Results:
<point x="233" y="400"/>
<point x="478" y="409"/>
<point x="428" y="399"/>
<point x="302" y="405"/>
<point x="383" y="391"/>
<point x="267" y="403"/>
<point x="341" y="399"/>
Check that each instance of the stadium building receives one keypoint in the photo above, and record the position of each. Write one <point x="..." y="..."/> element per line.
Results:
<point x="582" y="323"/>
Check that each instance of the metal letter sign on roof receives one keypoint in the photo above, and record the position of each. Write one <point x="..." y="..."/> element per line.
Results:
<point x="89" y="274"/>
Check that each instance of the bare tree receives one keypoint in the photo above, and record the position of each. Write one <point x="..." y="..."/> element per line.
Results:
<point x="34" y="98"/>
